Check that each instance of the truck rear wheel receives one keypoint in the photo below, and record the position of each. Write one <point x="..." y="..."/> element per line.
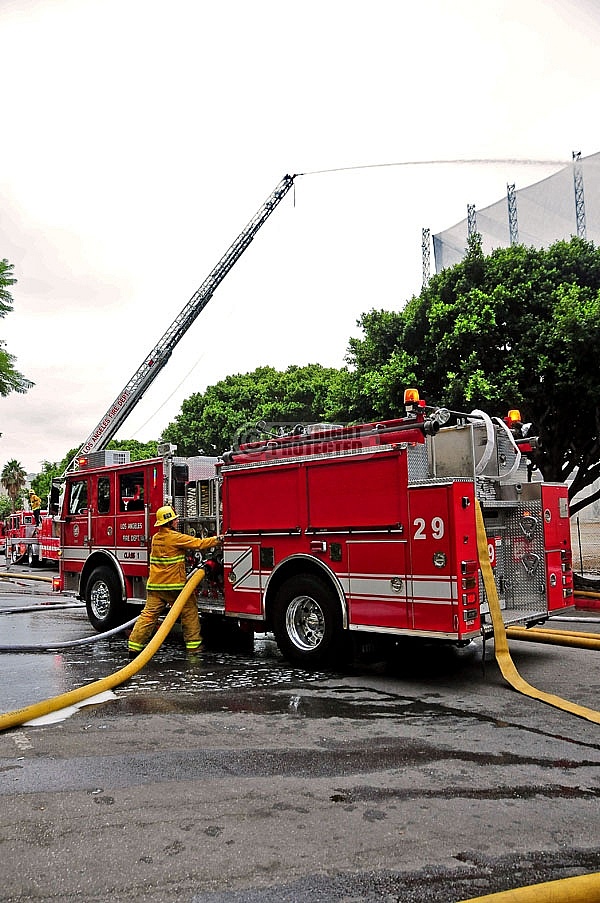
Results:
<point x="103" y="600"/>
<point x="32" y="559"/>
<point x="307" y="622"/>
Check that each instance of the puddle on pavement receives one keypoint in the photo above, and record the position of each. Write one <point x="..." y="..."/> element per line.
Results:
<point x="260" y="681"/>
<point x="257" y="683"/>
<point x="171" y="672"/>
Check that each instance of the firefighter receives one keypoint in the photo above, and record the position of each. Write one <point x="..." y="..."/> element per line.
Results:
<point x="166" y="579"/>
<point x="35" y="504"/>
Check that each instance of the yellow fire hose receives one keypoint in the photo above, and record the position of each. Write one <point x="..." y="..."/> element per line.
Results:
<point x="12" y="576"/>
<point x="555" y="632"/>
<point x="20" y="716"/>
<point x="501" y="651"/>
<point x="555" y="637"/>
<point x="581" y="889"/>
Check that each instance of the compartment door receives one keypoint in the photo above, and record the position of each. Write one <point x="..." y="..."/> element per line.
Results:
<point x="377" y="583"/>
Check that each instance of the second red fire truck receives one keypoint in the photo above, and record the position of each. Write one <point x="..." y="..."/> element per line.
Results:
<point x="333" y="529"/>
<point x="26" y="541"/>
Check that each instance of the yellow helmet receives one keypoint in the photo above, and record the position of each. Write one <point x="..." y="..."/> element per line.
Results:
<point x="164" y="515"/>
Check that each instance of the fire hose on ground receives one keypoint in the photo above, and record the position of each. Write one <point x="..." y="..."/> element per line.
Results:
<point x="67" y="644"/>
<point x="580" y="889"/>
<point x="8" y="575"/>
<point x="555" y="637"/>
<point x="44" y="606"/>
<point x="37" y="710"/>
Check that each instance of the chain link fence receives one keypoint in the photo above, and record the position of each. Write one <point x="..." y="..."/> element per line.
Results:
<point x="585" y="542"/>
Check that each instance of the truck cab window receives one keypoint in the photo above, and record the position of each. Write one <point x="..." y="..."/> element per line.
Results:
<point x="78" y="499"/>
<point x="131" y="491"/>
<point x="103" y="495"/>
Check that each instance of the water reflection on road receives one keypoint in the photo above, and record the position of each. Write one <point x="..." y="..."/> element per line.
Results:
<point x="258" y="681"/>
<point x="28" y="677"/>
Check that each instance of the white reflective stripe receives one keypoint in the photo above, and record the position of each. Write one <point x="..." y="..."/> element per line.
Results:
<point x="232" y="553"/>
<point x="377" y="585"/>
<point x="425" y="586"/>
<point x="428" y="587"/>
<point x="75" y="553"/>
<point x="124" y="554"/>
<point x="250" y="581"/>
<point x="421" y="588"/>
<point x="241" y="568"/>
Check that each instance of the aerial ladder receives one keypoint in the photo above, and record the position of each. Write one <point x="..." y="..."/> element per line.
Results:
<point x="154" y="362"/>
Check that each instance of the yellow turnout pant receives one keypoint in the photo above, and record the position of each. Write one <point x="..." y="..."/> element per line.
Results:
<point x="157" y="602"/>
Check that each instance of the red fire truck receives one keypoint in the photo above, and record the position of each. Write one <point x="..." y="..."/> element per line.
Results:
<point x="25" y="541"/>
<point x="328" y="530"/>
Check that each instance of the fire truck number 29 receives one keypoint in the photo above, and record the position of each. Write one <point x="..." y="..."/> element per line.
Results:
<point x="437" y="528"/>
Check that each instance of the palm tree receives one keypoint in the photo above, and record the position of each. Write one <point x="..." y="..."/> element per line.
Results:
<point x="13" y="479"/>
<point x="10" y="379"/>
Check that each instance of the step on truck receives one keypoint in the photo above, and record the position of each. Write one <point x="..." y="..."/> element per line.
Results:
<point x="332" y="530"/>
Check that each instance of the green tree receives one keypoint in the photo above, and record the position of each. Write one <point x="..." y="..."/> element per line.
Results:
<point x="516" y="329"/>
<point x="43" y="481"/>
<point x="211" y="422"/>
<point x="10" y="379"/>
<point x="13" y="479"/>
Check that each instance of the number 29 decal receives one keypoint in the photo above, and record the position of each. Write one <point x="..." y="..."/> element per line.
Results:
<point x="437" y="528"/>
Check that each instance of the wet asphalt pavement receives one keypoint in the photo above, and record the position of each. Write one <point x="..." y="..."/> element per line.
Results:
<point x="236" y="778"/>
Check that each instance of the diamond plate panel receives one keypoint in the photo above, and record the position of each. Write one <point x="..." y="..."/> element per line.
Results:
<point x="418" y="466"/>
<point x="520" y="571"/>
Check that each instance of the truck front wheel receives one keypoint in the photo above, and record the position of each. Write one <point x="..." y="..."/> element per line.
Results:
<point x="103" y="600"/>
<point x="307" y="622"/>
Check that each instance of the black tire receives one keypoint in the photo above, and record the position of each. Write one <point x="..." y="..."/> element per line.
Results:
<point x="104" y="600"/>
<point x="307" y="623"/>
<point x="32" y="559"/>
<point x="15" y="557"/>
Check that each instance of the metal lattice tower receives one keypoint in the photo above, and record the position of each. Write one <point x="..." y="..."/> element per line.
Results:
<point x="513" y="223"/>
<point x="579" y="198"/>
<point x="471" y="220"/>
<point x="426" y="254"/>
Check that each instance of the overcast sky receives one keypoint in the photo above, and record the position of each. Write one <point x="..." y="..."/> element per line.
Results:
<point x="139" y="137"/>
